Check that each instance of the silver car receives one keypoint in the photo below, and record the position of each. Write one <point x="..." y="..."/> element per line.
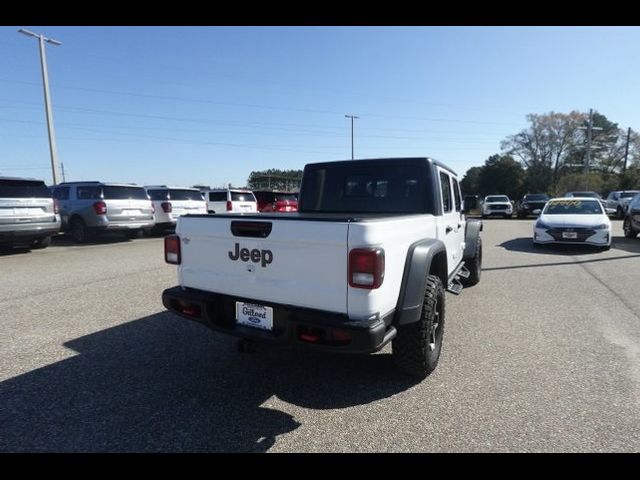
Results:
<point x="28" y="213"/>
<point x="88" y="208"/>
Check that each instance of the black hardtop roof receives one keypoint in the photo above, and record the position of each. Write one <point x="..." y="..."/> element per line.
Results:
<point x="388" y="159"/>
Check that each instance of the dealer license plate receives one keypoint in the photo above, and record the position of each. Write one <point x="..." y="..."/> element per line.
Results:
<point x="252" y="315"/>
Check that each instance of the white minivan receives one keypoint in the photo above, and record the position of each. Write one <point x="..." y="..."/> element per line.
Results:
<point x="231" y="200"/>
<point x="171" y="202"/>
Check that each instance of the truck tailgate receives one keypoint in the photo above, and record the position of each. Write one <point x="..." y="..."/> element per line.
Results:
<point x="300" y="262"/>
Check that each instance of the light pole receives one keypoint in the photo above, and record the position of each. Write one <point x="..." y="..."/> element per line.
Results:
<point x="589" y="129"/>
<point x="47" y="99"/>
<point x="351" y="117"/>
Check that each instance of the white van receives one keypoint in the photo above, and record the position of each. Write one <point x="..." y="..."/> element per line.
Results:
<point x="231" y="200"/>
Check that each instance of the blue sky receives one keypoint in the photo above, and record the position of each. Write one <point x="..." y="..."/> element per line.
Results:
<point x="209" y="104"/>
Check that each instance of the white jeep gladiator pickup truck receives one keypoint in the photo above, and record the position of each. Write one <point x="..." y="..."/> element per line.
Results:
<point x="364" y="262"/>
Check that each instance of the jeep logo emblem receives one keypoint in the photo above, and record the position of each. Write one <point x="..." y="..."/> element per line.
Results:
<point x="263" y="257"/>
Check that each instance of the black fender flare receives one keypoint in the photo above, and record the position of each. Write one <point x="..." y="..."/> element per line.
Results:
<point x="416" y="268"/>
<point x="471" y="234"/>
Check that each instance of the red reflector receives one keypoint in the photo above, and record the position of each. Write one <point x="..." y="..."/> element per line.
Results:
<point x="307" y="337"/>
<point x="172" y="249"/>
<point x="366" y="267"/>
<point x="193" y="311"/>
<point x="341" y="335"/>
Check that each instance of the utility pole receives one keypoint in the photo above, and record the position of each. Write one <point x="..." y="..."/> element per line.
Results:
<point x="351" y="117"/>
<point x="589" y="129"/>
<point x="626" y="150"/>
<point x="47" y="99"/>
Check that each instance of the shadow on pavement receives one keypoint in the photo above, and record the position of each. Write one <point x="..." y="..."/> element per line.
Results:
<point x="162" y="383"/>
<point x="525" y="244"/>
<point x="101" y="239"/>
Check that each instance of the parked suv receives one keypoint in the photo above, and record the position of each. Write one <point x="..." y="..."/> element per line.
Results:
<point x="171" y="202"/>
<point x="497" y="205"/>
<point x="28" y="213"/>
<point x="631" y="223"/>
<point x="276" y="201"/>
<point x="231" y="200"/>
<point x="531" y="204"/>
<point x="619" y="200"/>
<point x="88" y="208"/>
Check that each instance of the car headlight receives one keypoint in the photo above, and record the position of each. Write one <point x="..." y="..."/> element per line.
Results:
<point x="540" y="224"/>
<point x="602" y="226"/>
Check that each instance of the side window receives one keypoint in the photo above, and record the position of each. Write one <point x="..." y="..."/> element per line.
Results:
<point x="456" y="195"/>
<point x="61" y="193"/>
<point x="88" y="193"/>
<point x="445" y="186"/>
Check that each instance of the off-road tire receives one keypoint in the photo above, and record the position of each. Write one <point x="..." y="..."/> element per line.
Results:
<point x="79" y="231"/>
<point x="417" y="346"/>
<point x="474" y="265"/>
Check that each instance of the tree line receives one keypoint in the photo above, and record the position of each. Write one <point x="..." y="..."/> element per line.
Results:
<point x="275" y="179"/>
<point x="550" y="156"/>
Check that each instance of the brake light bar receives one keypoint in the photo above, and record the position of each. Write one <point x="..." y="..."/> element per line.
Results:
<point x="366" y="268"/>
<point x="172" y="249"/>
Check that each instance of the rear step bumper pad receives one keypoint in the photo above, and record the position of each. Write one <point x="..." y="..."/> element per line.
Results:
<point x="290" y="323"/>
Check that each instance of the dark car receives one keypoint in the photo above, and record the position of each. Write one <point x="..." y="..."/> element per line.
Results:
<point x="631" y="223"/>
<point x="531" y="204"/>
<point x="276" y="201"/>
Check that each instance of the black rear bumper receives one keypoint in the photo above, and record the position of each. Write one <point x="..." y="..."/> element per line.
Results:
<point x="291" y="325"/>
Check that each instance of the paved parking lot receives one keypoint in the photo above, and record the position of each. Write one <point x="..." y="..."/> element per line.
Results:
<point x="542" y="355"/>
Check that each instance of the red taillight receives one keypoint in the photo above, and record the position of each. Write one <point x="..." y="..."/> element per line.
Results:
<point x="56" y="206"/>
<point x="366" y="267"/>
<point x="172" y="249"/>
<point x="229" y="206"/>
<point x="166" y="207"/>
<point x="100" y="207"/>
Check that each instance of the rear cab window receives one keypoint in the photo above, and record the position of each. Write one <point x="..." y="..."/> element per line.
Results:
<point x="366" y="187"/>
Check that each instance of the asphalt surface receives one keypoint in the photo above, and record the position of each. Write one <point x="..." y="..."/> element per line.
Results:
<point x="542" y="355"/>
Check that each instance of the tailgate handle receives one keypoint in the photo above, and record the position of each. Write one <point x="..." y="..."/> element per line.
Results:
<point x="251" y="229"/>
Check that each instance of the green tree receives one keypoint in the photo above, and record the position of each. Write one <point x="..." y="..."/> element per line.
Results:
<point x="275" y="179"/>
<point x="501" y="174"/>
<point x="469" y="183"/>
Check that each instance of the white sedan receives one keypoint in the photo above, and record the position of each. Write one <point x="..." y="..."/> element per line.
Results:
<point x="577" y="220"/>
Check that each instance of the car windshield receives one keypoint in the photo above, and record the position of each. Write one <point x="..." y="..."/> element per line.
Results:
<point x="242" y="197"/>
<point x="124" y="193"/>
<point x="23" y="189"/>
<point x="497" y="198"/>
<point x="628" y="194"/>
<point x="573" y="207"/>
<point x="178" y="194"/>
<point x="536" y="198"/>
<point x="286" y="197"/>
